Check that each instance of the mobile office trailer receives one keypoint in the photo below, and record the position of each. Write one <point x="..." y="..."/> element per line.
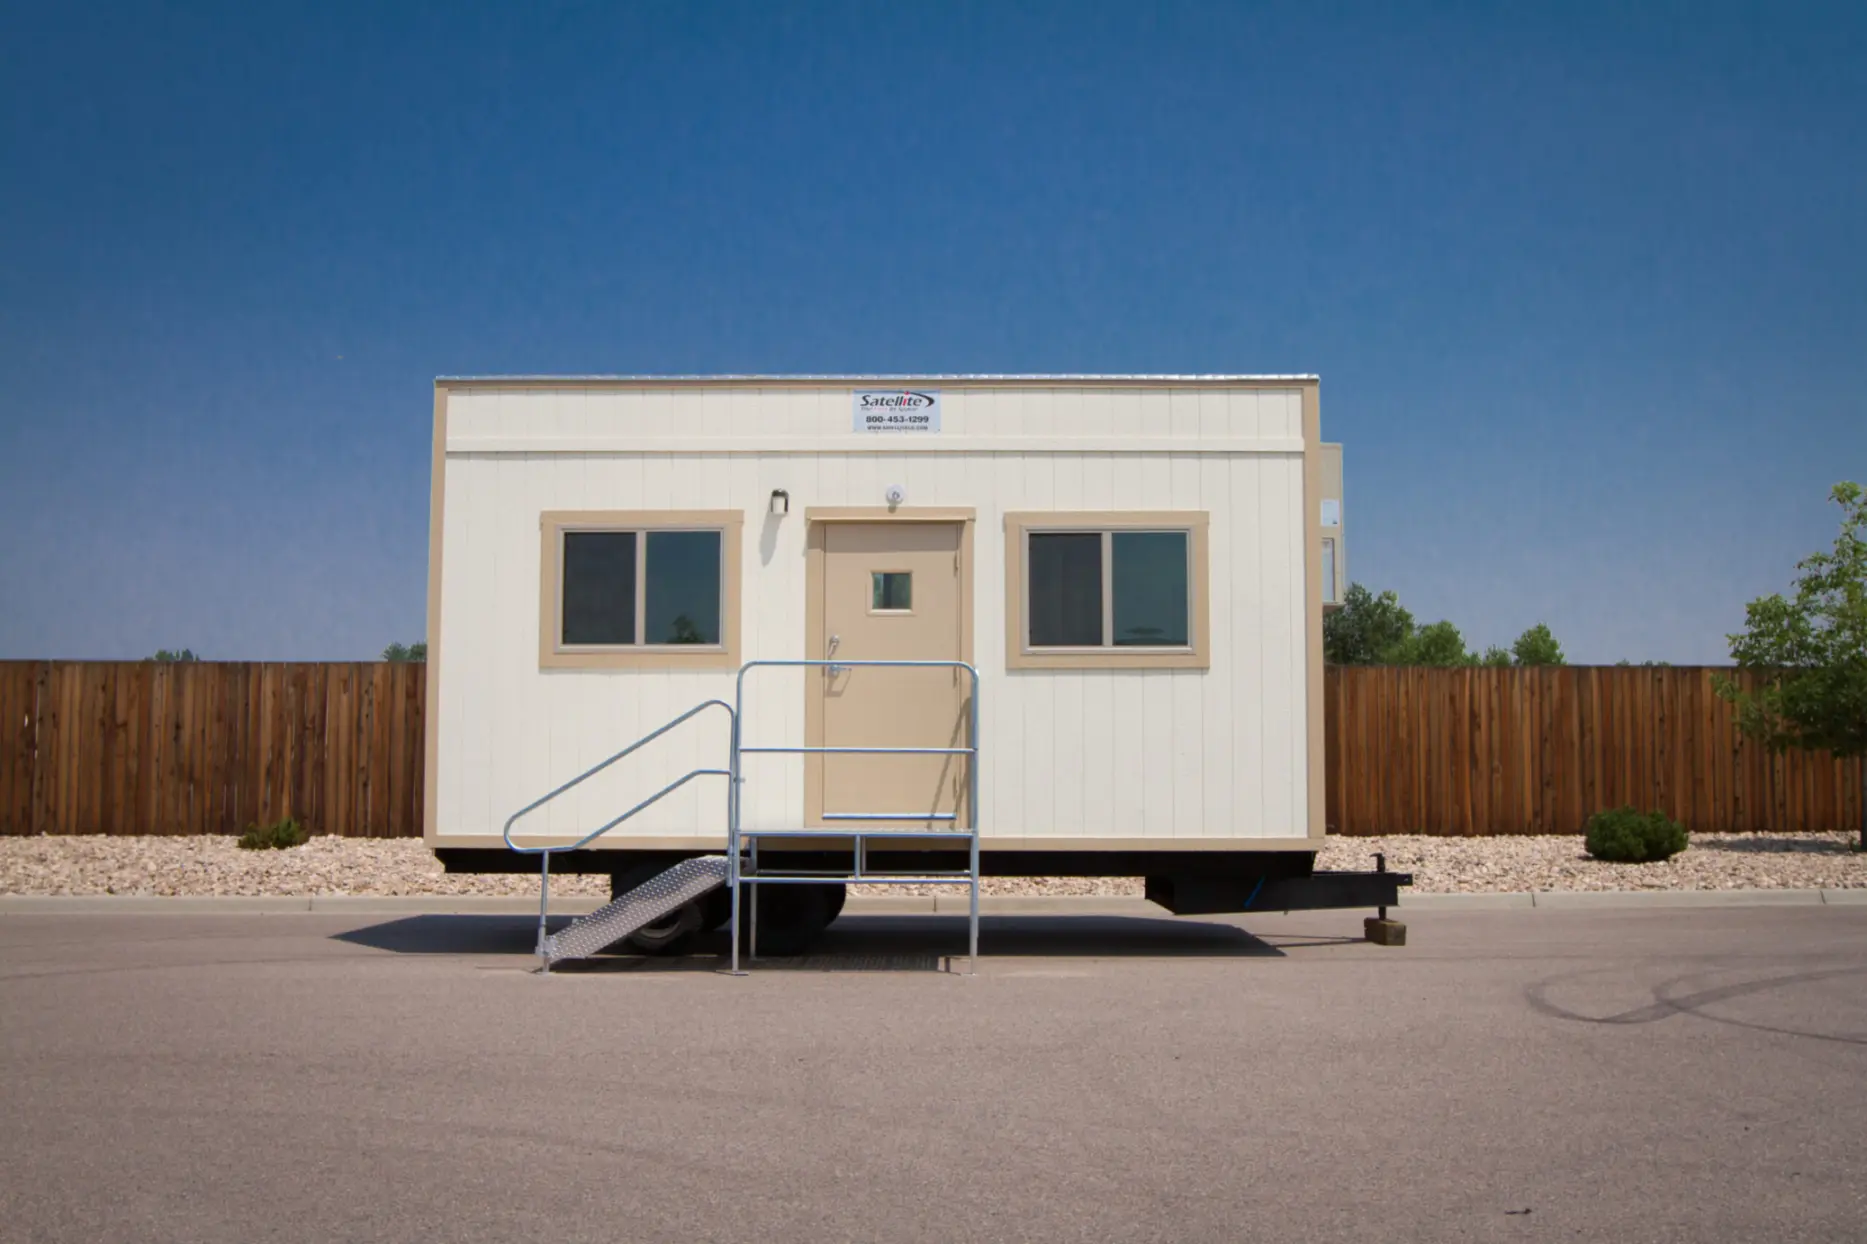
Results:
<point x="1134" y="570"/>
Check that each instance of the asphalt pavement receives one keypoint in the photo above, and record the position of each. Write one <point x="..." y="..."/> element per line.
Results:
<point x="1669" y="1074"/>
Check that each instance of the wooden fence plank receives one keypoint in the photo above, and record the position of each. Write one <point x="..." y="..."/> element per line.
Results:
<point x="10" y="731"/>
<point x="377" y="768"/>
<point x="418" y="726"/>
<point x="341" y="730"/>
<point x="69" y="813"/>
<point x="41" y="770"/>
<point x="16" y="725"/>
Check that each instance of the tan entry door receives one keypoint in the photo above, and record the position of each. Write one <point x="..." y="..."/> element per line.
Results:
<point x="891" y="592"/>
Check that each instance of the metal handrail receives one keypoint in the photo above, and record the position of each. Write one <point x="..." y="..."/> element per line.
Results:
<point x="591" y="772"/>
<point x="737" y="835"/>
<point x="735" y="832"/>
<point x="544" y="853"/>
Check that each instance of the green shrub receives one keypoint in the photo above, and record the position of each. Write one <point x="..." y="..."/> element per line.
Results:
<point x="276" y="836"/>
<point x="1625" y="836"/>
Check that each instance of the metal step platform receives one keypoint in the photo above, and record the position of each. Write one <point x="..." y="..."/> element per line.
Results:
<point x="738" y="869"/>
<point x="642" y="906"/>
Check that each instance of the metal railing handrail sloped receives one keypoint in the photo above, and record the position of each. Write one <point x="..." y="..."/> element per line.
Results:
<point x="546" y="851"/>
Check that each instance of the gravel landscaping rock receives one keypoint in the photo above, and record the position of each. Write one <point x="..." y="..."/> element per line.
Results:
<point x="404" y="866"/>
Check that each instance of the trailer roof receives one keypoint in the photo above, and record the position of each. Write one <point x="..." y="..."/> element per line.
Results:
<point x="888" y="378"/>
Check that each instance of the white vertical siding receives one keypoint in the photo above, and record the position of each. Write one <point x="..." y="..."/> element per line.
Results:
<point x="1121" y="753"/>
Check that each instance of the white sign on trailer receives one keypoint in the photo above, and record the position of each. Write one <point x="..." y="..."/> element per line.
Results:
<point x="897" y="410"/>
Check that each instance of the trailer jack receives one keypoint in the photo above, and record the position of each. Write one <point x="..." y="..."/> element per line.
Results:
<point x="1204" y="895"/>
<point x="1378" y="928"/>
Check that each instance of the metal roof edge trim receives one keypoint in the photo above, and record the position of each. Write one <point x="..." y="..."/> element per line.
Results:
<point x="895" y="378"/>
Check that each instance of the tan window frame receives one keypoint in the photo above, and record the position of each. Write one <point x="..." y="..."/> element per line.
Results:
<point x="1196" y="654"/>
<point x="552" y="654"/>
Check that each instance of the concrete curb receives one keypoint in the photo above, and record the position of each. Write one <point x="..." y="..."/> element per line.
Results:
<point x="1593" y="900"/>
<point x="895" y="904"/>
<point x="296" y="904"/>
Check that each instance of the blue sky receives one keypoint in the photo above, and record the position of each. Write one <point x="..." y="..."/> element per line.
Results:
<point x="1587" y="287"/>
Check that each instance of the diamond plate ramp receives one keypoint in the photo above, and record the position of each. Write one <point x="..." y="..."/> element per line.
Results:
<point x="642" y="906"/>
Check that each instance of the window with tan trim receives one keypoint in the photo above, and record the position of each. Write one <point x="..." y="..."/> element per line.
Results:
<point x="639" y="588"/>
<point x="1107" y="590"/>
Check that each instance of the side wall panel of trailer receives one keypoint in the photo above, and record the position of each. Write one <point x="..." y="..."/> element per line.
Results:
<point x="1117" y="754"/>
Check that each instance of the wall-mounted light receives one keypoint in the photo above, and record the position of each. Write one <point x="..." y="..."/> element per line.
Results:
<point x="780" y="502"/>
<point x="895" y="494"/>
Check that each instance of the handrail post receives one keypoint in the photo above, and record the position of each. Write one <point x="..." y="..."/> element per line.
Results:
<point x="751" y="929"/>
<point x="544" y="905"/>
<point x="733" y="781"/>
<point x="972" y="939"/>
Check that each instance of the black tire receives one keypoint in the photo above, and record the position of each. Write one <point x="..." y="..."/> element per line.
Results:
<point x="670" y="935"/>
<point x="790" y="917"/>
<point x="839" y="894"/>
<point x="716" y="909"/>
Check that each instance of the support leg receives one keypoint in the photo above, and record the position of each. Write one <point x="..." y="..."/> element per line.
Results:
<point x="1378" y="928"/>
<point x="972" y="925"/>
<point x="544" y="906"/>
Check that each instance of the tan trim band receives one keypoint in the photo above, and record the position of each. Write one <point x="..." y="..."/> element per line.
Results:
<point x="886" y="514"/>
<point x="618" y="842"/>
<point x="431" y="709"/>
<point x="1312" y="613"/>
<point x="872" y="444"/>
<point x="661" y="383"/>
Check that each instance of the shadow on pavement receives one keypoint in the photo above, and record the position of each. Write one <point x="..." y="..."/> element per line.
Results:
<point x="451" y="935"/>
<point x="866" y="942"/>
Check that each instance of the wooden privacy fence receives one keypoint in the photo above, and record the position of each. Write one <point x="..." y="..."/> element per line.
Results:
<point x="210" y="748"/>
<point x="1534" y="751"/>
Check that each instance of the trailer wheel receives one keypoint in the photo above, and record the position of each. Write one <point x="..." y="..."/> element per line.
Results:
<point x="791" y="916"/>
<point x="716" y="909"/>
<point x="669" y="935"/>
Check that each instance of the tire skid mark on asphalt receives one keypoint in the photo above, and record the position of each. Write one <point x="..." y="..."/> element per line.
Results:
<point x="1667" y="1003"/>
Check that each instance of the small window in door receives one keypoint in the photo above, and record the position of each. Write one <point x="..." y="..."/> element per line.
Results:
<point x="891" y="591"/>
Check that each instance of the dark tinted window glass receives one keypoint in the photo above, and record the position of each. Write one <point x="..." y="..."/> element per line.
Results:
<point x="683" y="605"/>
<point x="891" y="589"/>
<point x="1149" y="573"/>
<point x="1066" y="589"/>
<point x="599" y="587"/>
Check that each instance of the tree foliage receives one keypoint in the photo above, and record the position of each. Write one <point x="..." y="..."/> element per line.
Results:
<point x="1364" y="628"/>
<point x="1436" y="643"/>
<point x="1536" y="646"/>
<point x="1809" y="651"/>
<point x="1378" y="630"/>
<point x="165" y="654"/>
<point x="417" y="651"/>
